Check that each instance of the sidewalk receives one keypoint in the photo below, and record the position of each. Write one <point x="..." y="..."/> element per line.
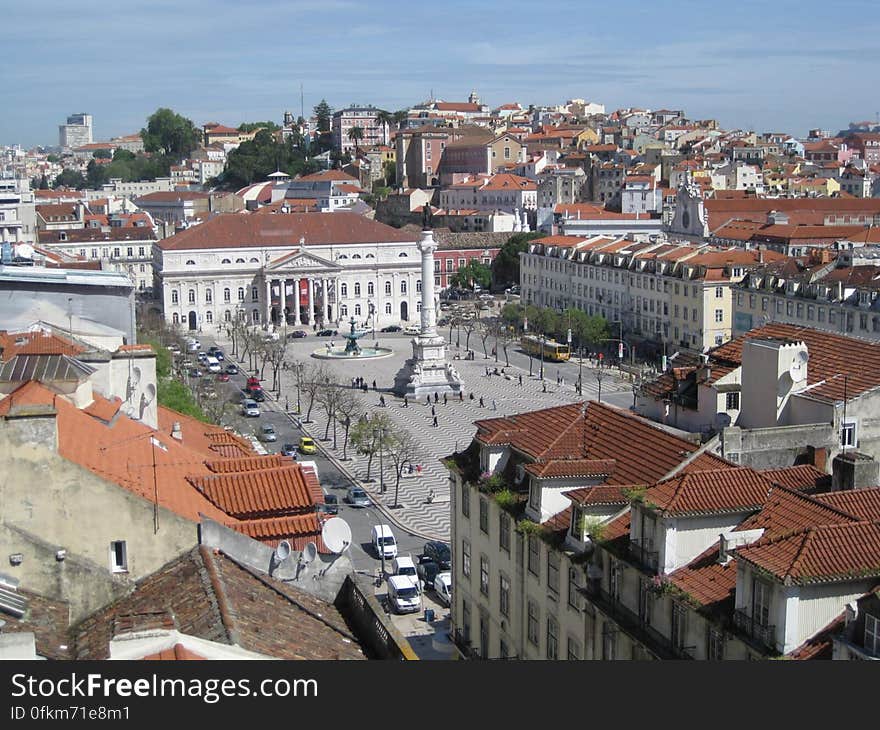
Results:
<point x="502" y="395"/>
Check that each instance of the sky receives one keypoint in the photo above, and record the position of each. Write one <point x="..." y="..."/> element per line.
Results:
<point x="765" y="66"/>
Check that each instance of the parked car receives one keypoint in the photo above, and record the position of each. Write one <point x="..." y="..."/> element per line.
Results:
<point x="250" y="408"/>
<point x="267" y="433"/>
<point x="195" y="373"/>
<point x="357" y="497"/>
<point x="443" y="588"/>
<point x="412" y="329"/>
<point x="439" y="552"/>
<point x="330" y="506"/>
<point x="403" y="596"/>
<point x="222" y="377"/>
<point x="288" y="450"/>
<point x="213" y="364"/>
<point x="391" y="328"/>
<point x="327" y="333"/>
<point x="231" y="369"/>
<point x="427" y="571"/>
<point x="254" y="389"/>
<point x="307" y="445"/>
<point x="297" y="334"/>
<point x="384" y="542"/>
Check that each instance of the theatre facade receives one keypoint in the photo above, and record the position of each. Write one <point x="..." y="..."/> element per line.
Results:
<point x="289" y="269"/>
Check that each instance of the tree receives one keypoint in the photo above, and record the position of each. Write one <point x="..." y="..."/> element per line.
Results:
<point x="251" y="126"/>
<point x="255" y="160"/>
<point x="400" y="117"/>
<point x="369" y="436"/>
<point x="349" y="408"/>
<point x="402" y="449"/>
<point x="170" y="134"/>
<point x="102" y="154"/>
<point x="324" y="114"/>
<point x="385" y="118"/>
<point x="123" y="155"/>
<point x="356" y="134"/>
<point x="70" y="179"/>
<point x="315" y="378"/>
<point x="329" y="396"/>
<point x="585" y="329"/>
<point x="505" y="267"/>
<point x="474" y="272"/>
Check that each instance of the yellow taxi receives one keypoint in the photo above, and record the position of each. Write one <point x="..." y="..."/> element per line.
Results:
<point x="307" y="445"/>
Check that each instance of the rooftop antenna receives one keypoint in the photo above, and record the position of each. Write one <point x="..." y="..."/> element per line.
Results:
<point x="302" y="106"/>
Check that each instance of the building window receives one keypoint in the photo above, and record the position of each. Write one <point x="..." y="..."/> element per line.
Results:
<point x="227" y="316"/>
<point x="343" y="290"/>
<point x="679" y="626"/>
<point x="418" y="286"/>
<point x="848" y="434"/>
<point x="174" y="296"/>
<point x="533" y="622"/>
<point x="255" y="294"/>
<point x="609" y="642"/>
<point x="192" y="296"/>
<point x="719" y="315"/>
<point x="503" y="651"/>
<point x="733" y="401"/>
<point x="574" y="649"/>
<point x="574" y="596"/>
<point x="343" y="310"/>
<point x="714" y="644"/>
<point x="534" y="555"/>
<point x="484" y="635"/>
<point x="614" y="580"/>
<point x="504" y="595"/>
<point x="370" y="288"/>
<point x="484" y="575"/>
<point x="646" y="602"/>
<point x="484" y="515"/>
<point x="241" y="294"/>
<point x="118" y="557"/>
<point x="465" y="499"/>
<point x="403" y="286"/>
<point x="357" y="310"/>
<point x="175" y="318"/>
<point x="255" y="316"/>
<point x="872" y="634"/>
<point x="764" y="303"/>
<point x="719" y="292"/>
<point x="465" y="558"/>
<point x="760" y="603"/>
<point x="209" y="317"/>
<point x="357" y="289"/>
<point x="553" y="571"/>
<point x="209" y="296"/>
<point x="552" y="638"/>
<point x="504" y="532"/>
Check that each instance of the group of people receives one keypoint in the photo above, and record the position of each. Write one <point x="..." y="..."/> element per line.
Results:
<point x="361" y="384"/>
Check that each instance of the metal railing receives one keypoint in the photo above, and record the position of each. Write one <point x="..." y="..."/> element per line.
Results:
<point x="763" y="634"/>
<point x="464" y="645"/>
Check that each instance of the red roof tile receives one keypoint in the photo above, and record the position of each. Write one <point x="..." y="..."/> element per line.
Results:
<point x="36" y="343"/>
<point x="863" y="503"/>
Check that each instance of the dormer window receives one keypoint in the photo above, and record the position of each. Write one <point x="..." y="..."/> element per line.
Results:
<point x="190" y="262"/>
<point x="239" y="261"/>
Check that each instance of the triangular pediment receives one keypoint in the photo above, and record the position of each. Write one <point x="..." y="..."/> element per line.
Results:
<point x="301" y="261"/>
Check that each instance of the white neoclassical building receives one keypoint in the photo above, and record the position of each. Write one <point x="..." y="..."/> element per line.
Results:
<point x="298" y="269"/>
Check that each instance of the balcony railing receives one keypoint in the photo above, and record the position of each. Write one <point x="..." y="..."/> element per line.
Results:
<point x="640" y="551"/>
<point x="464" y="645"/>
<point x="754" y="629"/>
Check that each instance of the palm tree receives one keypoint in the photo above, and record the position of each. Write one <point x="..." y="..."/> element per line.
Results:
<point x="386" y="119"/>
<point x="356" y="134"/>
<point x="400" y="117"/>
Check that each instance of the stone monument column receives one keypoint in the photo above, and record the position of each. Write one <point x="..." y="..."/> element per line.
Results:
<point x="427" y="246"/>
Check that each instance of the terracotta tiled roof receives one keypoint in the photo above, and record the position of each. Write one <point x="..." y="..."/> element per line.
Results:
<point x="820" y="645"/>
<point x="235" y="231"/>
<point x="831" y="357"/>
<point x="863" y="503"/>
<point x="103" y="408"/>
<point x="706" y="580"/>
<point x="299" y="530"/>
<point x="598" y="495"/>
<point x="36" y="343"/>
<point x="263" y="493"/>
<point x="335" y="175"/>
<point x="787" y="510"/>
<point x="135" y="348"/>
<point x="831" y="553"/>
<point x="248" y="463"/>
<point x="643" y="453"/>
<point x="170" y="196"/>
<point x="212" y="597"/>
<point x="563" y="241"/>
<point x="572" y="468"/>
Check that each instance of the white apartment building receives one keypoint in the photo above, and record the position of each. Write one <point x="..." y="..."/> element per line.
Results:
<point x="18" y="218"/>
<point x="504" y="192"/>
<point x="290" y="269"/>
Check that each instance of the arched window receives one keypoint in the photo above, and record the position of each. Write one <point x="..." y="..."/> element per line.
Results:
<point x="227" y="295"/>
<point x="192" y="296"/>
<point x="174" y="296"/>
<point x="369" y="256"/>
<point x="255" y="316"/>
<point x="403" y="286"/>
<point x="227" y="316"/>
<point x="402" y="255"/>
<point x="388" y="288"/>
<point x="241" y="293"/>
<point x="343" y="290"/>
<point x="355" y="255"/>
<point x="225" y="261"/>
<point x="343" y="310"/>
<point x="254" y="260"/>
<point x="209" y="296"/>
<point x="370" y="289"/>
<point x="357" y="289"/>
<point x="357" y="310"/>
<point x="418" y="306"/>
<point x="255" y="294"/>
<point x="175" y="318"/>
<point x="242" y="315"/>
<point x="239" y="261"/>
<point x="387" y="307"/>
<point x="341" y="256"/>
<point x="209" y="317"/>
<point x="189" y="262"/>
<point x="418" y="285"/>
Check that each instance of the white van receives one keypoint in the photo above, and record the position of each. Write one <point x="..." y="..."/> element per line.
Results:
<point x="404" y="565"/>
<point x="213" y="364"/>
<point x="443" y="587"/>
<point x="403" y="596"/>
<point x="383" y="542"/>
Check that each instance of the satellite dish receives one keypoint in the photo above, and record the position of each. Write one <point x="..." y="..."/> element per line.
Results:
<point x="309" y="553"/>
<point x="282" y="552"/>
<point x="336" y="534"/>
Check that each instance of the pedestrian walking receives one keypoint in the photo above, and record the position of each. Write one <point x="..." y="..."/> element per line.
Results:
<point x="433" y="412"/>
<point x="436" y="397"/>
<point x="435" y="421"/>
<point x="545" y="388"/>
<point x="405" y="402"/>
<point x="520" y="379"/>
<point x="382" y="400"/>
<point x="374" y="385"/>
<point x="472" y="396"/>
<point x="494" y="405"/>
<point x="487" y="371"/>
<point x="461" y="396"/>
<point x="444" y="399"/>
<point x="482" y="405"/>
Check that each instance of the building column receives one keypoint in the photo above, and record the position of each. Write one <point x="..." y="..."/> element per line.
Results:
<point x="296" y="321"/>
<point x="311" y="285"/>
<point x="268" y="307"/>
<point x="327" y="286"/>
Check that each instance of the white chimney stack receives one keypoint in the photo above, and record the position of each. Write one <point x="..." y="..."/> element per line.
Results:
<point x="176" y="433"/>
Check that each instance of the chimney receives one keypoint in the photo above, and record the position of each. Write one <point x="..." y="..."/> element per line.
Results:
<point x="853" y="470"/>
<point x="176" y="433"/>
<point x="723" y="557"/>
<point x="818" y="456"/>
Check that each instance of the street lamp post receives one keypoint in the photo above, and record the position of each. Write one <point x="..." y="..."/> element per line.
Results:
<point x="528" y="349"/>
<point x="381" y="433"/>
<point x="599" y="376"/>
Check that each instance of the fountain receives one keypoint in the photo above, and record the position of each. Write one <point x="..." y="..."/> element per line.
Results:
<point x="352" y="349"/>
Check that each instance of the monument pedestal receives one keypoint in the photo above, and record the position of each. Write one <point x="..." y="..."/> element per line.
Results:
<point x="427" y="371"/>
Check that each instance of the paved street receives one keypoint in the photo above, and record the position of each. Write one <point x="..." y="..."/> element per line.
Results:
<point x="502" y="395"/>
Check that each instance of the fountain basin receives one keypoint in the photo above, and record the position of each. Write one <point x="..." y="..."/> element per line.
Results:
<point x="339" y="353"/>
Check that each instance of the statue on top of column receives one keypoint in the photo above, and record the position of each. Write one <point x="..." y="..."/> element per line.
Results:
<point x="426" y="217"/>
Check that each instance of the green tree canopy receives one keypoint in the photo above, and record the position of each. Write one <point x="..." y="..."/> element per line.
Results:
<point x="251" y="126"/>
<point x="123" y="154"/>
<point x="324" y="114"/>
<point x="254" y="161"/>
<point x="474" y="272"/>
<point x="505" y="267"/>
<point x="356" y="134"/>
<point x="102" y="154"/>
<point x="170" y="134"/>
<point x="586" y="330"/>
<point x="70" y="179"/>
